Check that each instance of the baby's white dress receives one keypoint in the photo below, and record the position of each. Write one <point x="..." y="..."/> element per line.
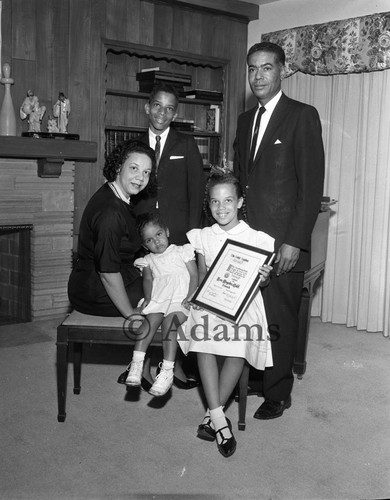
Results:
<point x="171" y="278"/>
<point x="206" y="332"/>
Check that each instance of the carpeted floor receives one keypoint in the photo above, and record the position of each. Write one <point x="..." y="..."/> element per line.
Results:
<point x="333" y="443"/>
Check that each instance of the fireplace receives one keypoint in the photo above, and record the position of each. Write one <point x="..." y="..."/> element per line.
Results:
<point x="44" y="207"/>
<point x="37" y="196"/>
<point x="15" y="273"/>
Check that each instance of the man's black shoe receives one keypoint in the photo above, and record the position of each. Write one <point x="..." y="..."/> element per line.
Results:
<point x="272" y="409"/>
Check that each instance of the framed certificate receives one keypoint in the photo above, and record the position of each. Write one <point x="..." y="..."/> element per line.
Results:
<point x="232" y="280"/>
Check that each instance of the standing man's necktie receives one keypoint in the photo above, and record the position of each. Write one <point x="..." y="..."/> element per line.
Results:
<point x="157" y="150"/>
<point x="255" y="135"/>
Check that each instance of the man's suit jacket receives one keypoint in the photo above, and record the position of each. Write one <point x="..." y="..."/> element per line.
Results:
<point x="180" y="181"/>
<point x="285" y="184"/>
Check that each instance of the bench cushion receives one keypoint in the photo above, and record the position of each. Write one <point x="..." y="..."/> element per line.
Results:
<point x="77" y="318"/>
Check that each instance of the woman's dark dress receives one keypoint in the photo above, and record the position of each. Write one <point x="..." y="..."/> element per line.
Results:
<point x="108" y="243"/>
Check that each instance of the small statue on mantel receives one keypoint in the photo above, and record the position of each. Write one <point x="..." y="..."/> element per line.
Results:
<point x="61" y="110"/>
<point x="30" y="108"/>
<point x="52" y="124"/>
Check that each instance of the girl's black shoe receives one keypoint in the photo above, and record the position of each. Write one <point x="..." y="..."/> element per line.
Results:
<point x="123" y="376"/>
<point x="145" y="384"/>
<point x="206" y="432"/>
<point x="228" y="445"/>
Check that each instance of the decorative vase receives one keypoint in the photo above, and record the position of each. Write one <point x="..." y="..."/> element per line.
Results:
<point x="7" y="112"/>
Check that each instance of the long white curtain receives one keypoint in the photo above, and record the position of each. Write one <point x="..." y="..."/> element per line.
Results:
<point x="355" y="115"/>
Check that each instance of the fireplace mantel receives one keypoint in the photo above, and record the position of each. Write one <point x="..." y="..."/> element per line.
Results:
<point x="50" y="153"/>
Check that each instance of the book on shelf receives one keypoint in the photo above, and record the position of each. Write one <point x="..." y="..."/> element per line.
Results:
<point x="214" y="155"/>
<point x="145" y="70"/>
<point x="182" y="78"/>
<point x="148" y="79"/>
<point x="213" y="118"/>
<point x="209" y="95"/>
<point x="115" y="137"/>
<point x="210" y="120"/>
<point x="183" y="124"/>
<point x="146" y="87"/>
<point x="203" y="144"/>
<point x="208" y="149"/>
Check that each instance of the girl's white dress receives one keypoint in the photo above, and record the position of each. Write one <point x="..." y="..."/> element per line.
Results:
<point x="171" y="278"/>
<point x="207" y="333"/>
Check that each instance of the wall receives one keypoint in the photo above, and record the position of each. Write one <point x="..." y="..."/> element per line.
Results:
<point x="56" y="45"/>
<point x="284" y="14"/>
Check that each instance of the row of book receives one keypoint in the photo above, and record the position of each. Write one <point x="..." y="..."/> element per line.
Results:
<point x="207" y="95"/>
<point x="213" y="121"/>
<point x="115" y="137"/>
<point x="183" y="125"/>
<point x="148" y="77"/>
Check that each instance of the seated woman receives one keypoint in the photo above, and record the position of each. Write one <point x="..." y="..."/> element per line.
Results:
<point x="104" y="281"/>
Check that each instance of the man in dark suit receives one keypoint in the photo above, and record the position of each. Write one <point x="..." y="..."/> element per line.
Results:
<point x="180" y="177"/>
<point x="283" y="183"/>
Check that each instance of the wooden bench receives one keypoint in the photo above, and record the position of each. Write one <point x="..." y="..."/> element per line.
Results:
<point x="78" y="329"/>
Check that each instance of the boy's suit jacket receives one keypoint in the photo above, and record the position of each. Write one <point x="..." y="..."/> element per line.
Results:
<point x="284" y="186"/>
<point x="180" y="181"/>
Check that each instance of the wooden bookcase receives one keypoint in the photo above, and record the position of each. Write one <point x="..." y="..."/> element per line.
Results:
<point x="125" y="115"/>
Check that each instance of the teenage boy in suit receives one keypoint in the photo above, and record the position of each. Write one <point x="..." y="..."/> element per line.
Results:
<point x="180" y="177"/>
<point x="283" y="183"/>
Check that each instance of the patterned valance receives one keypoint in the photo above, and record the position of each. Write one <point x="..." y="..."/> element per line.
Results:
<point x="349" y="46"/>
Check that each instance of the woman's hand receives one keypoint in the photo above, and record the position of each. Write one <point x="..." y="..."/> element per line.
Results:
<point x="145" y="303"/>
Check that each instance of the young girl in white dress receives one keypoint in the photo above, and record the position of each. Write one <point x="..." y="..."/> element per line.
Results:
<point x="170" y="277"/>
<point x="212" y="337"/>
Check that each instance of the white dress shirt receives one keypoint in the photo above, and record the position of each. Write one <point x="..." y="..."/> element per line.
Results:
<point x="269" y="109"/>
<point x="152" y="139"/>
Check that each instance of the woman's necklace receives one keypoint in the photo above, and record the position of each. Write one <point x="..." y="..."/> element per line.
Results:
<point x="118" y="193"/>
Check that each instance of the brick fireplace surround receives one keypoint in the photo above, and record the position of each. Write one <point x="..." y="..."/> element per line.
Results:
<point x="48" y="204"/>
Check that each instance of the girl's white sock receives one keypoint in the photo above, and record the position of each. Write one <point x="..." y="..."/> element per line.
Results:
<point x="218" y="417"/>
<point x="219" y="420"/>
<point x="138" y="355"/>
<point x="206" y="418"/>
<point x="167" y="365"/>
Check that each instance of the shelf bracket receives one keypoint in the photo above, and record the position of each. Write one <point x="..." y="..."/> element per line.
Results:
<point x="50" y="167"/>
